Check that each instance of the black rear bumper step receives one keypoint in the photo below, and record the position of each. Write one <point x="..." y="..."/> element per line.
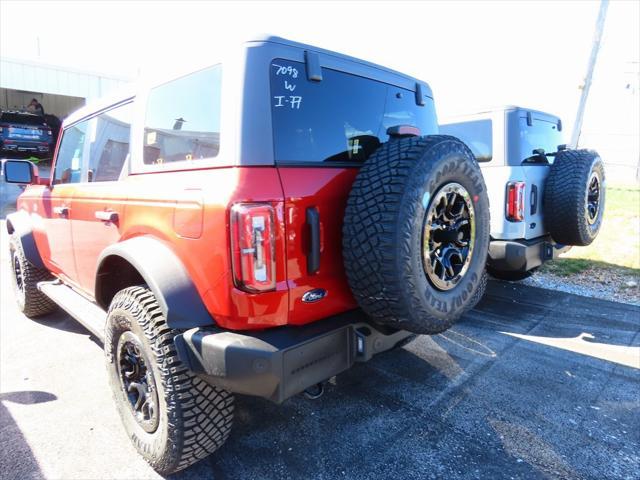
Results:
<point x="278" y="363"/>
<point x="523" y="255"/>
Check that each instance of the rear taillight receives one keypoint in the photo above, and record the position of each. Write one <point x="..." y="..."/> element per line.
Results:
<point x="253" y="246"/>
<point x="515" y="201"/>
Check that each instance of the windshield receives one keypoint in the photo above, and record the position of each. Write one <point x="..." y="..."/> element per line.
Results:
<point x="339" y="120"/>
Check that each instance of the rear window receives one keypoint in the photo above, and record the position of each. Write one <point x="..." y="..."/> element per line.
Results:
<point x="22" y="119"/>
<point x="339" y="120"/>
<point x="541" y="134"/>
<point x="477" y="135"/>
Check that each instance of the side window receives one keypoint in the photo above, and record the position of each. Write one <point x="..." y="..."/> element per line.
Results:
<point x="110" y="143"/>
<point x="183" y="119"/>
<point x="477" y="135"/>
<point x="68" y="167"/>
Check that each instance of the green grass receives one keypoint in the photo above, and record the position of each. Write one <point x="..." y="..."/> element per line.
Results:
<point x="566" y="267"/>
<point x="617" y="247"/>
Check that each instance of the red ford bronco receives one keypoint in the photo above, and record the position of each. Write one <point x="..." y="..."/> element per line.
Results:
<point x="255" y="227"/>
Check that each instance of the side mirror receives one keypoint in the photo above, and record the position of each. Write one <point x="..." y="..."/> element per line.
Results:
<point x="20" y="171"/>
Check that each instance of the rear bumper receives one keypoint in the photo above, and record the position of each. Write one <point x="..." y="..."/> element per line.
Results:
<point x="25" y="146"/>
<point x="523" y="255"/>
<point x="277" y="364"/>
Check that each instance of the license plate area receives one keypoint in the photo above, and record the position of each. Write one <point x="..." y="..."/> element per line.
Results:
<point x="316" y="361"/>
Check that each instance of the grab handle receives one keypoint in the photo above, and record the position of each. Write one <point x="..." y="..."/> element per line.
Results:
<point x="313" y="255"/>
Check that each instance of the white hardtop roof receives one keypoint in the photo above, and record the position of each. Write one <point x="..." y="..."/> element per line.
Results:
<point x="232" y="54"/>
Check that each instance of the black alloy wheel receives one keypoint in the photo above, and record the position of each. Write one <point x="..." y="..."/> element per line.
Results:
<point x="448" y="238"/>
<point x="593" y="198"/>
<point x="137" y="381"/>
<point x="17" y="274"/>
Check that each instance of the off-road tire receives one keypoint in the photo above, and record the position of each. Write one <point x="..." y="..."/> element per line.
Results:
<point x="510" y="275"/>
<point x="31" y="301"/>
<point x="195" y="418"/>
<point x="565" y="204"/>
<point x="383" y="228"/>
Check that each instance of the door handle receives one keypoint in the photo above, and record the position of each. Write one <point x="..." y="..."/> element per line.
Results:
<point x="107" y="216"/>
<point x="313" y="254"/>
<point x="62" y="211"/>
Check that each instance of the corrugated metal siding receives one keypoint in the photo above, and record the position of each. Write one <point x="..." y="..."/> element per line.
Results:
<point x="33" y="77"/>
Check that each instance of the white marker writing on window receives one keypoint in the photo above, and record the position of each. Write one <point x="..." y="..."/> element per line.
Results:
<point x="288" y="86"/>
<point x="296" y="100"/>
<point x="282" y="70"/>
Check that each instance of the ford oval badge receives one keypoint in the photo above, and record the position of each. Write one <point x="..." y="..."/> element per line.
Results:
<point x="314" y="295"/>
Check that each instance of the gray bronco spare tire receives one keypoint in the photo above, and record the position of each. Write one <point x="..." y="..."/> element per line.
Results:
<point x="574" y="197"/>
<point x="416" y="233"/>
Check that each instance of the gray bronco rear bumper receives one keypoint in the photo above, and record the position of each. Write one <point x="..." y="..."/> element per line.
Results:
<point x="278" y="363"/>
<point x="523" y="255"/>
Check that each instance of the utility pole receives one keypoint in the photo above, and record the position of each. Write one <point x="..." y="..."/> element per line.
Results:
<point x="597" y="36"/>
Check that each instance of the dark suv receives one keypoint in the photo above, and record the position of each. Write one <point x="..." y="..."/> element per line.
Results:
<point x="25" y="133"/>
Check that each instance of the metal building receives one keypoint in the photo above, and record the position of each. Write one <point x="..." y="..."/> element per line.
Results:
<point x="61" y="90"/>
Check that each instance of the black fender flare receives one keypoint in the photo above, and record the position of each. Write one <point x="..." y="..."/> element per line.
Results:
<point x="20" y="224"/>
<point x="165" y="275"/>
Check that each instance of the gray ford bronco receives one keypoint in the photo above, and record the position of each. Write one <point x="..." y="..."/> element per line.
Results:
<point x="544" y="197"/>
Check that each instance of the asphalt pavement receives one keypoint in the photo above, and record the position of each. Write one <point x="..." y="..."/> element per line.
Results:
<point x="531" y="384"/>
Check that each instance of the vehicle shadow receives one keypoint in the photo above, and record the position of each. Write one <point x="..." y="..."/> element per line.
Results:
<point x="510" y="307"/>
<point x="18" y="461"/>
<point x="60" y="320"/>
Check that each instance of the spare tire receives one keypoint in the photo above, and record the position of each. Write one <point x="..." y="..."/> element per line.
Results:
<point x="574" y="197"/>
<point x="416" y="233"/>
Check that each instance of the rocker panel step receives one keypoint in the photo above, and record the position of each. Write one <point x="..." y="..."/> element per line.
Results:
<point x="84" y="311"/>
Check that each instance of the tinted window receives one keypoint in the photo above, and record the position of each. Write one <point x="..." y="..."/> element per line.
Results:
<point x="477" y="135"/>
<point x="24" y="119"/>
<point x="341" y="119"/>
<point x="72" y="150"/>
<point x="541" y="134"/>
<point x="110" y="145"/>
<point x="183" y="119"/>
